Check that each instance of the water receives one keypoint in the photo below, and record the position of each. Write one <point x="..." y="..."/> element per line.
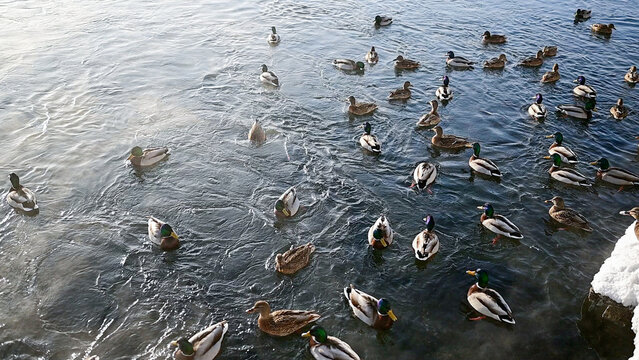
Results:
<point x="83" y="82"/>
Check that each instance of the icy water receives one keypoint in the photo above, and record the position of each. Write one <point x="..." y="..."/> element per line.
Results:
<point x="83" y="82"/>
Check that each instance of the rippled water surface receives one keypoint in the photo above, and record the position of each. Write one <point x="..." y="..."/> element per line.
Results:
<point x="83" y="82"/>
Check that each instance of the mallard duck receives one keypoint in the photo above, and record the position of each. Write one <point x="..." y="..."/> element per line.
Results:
<point x="458" y="61"/>
<point x="634" y="212"/>
<point x="632" y="76"/>
<point x="269" y="77"/>
<point x="426" y="243"/>
<point x="615" y="175"/>
<point x="19" y="197"/>
<point x="381" y="20"/>
<point x="619" y="111"/>
<point x="450" y="142"/>
<point x="566" y="176"/>
<point x="204" y="345"/>
<point x="294" y="259"/>
<point x="603" y="28"/>
<point x="162" y="234"/>
<point x="325" y="347"/>
<point x="496" y="63"/>
<point x="551" y="76"/>
<point x="360" y="109"/>
<point x="567" y="216"/>
<point x="430" y="119"/>
<point x="380" y="235"/>
<point x="287" y="205"/>
<point x="534" y="61"/>
<point x="371" y="56"/>
<point x="482" y="165"/>
<point x="584" y="90"/>
<point x="257" y="134"/>
<point x="498" y="224"/>
<point x="549" y="51"/>
<point x="273" y="38"/>
<point x="444" y="92"/>
<point x="578" y="112"/>
<point x="583" y="14"/>
<point x="348" y="65"/>
<point x="147" y="157"/>
<point x="424" y="175"/>
<point x="401" y="94"/>
<point x="405" y="64"/>
<point x="537" y="110"/>
<point x="489" y="38"/>
<point x="566" y="155"/>
<point x="369" y="141"/>
<point x="281" y="322"/>
<point x="487" y="301"/>
<point x="375" y="313"/>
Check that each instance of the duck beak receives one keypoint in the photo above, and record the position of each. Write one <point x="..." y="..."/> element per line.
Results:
<point x="174" y="235"/>
<point x="547" y="157"/>
<point x="392" y="316"/>
<point x="595" y="110"/>
<point x="550" y="136"/>
<point x="481" y="207"/>
<point x="286" y="212"/>
<point x="306" y="334"/>
<point x="575" y="81"/>
<point x="251" y="310"/>
<point x="383" y="242"/>
<point x="130" y="157"/>
<point x="624" y="213"/>
<point x="470" y="272"/>
<point x="593" y="163"/>
<point x="174" y="343"/>
<point x="547" y="201"/>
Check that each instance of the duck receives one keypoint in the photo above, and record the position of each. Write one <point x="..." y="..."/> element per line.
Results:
<point x="583" y="90"/>
<point x="488" y="38"/>
<point x="564" y="175"/>
<point x="369" y="141"/>
<point x="634" y="212"/>
<point x="534" y="61"/>
<point x="424" y="175"/>
<point x="603" y="29"/>
<point x="204" y="345"/>
<point x="294" y="259"/>
<point x="325" y="347"/>
<point x="380" y="235"/>
<point x="451" y="142"/>
<point x="20" y="197"/>
<point x="583" y="14"/>
<point x="619" y="111"/>
<point x="551" y="76"/>
<point x="269" y="77"/>
<point x="482" y="165"/>
<point x="549" y="51"/>
<point x="371" y="56"/>
<point x="566" y="216"/>
<point x="615" y="175"/>
<point x="486" y="301"/>
<point x="360" y="109"/>
<point x="430" y="119"/>
<point x="147" y="157"/>
<point x="537" y="110"/>
<point x="444" y="92"/>
<point x="632" y="77"/>
<point x="162" y="234"/>
<point x="401" y="94"/>
<point x="281" y="322"/>
<point x="426" y="243"/>
<point x="498" y="224"/>
<point x="565" y="153"/>
<point x="373" y="312"/>
<point x="578" y="112"/>
<point x="348" y="65"/>
<point x="273" y="37"/>
<point x="381" y="20"/>
<point x="496" y="63"/>
<point x="405" y="64"/>
<point x="256" y="134"/>
<point x="287" y="205"/>
<point x="458" y="61"/>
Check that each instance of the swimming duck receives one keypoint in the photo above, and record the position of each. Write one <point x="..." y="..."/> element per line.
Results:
<point x="564" y="175"/>
<point x="426" y="243"/>
<point x="269" y="77"/>
<point x="537" y="110"/>
<point x="375" y="313"/>
<point x="451" y="142"/>
<point x="348" y="65"/>
<point x="294" y="259"/>
<point x="567" y="216"/>
<point x="380" y="235"/>
<point x="482" y="165"/>
<point x="19" y="197"/>
<point x="584" y="90"/>
<point x="405" y="64"/>
<point x="634" y="212"/>
<point x="444" y="92"/>
<point x="381" y="20"/>
<point x="325" y="347"/>
<point x="204" y="345"/>
<point x="498" y="224"/>
<point x="578" y="112"/>
<point x="496" y="63"/>
<point x="583" y="14"/>
<point x="162" y="234"/>
<point x="632" y="76"/>
<point x="281" y="322"/>
<point x="566" y="155"/>
<point x="458" y="61"/>
<point x="369" y="141"/>
<point x="430" y="119"/>
<point x="424" y="175"/>
<point x="549" y="51"/>
<point x="147" y="157"/>
<point x="615" y="175"/>
<point x="371" y="56"/>
<point x="274" y="37"/>
<point x="534" y="61"/>
<point x="287" y="205"/>
<point x="619" y="111"/>
<point x="401" y="94"/>
<point x="488" y="38"/>
<point x="603" y="28"/>
<point x="551" y="76"/>
<point x="257" y="134"/>
<point x="487" y="301"/>
<point x="356" y="108"/>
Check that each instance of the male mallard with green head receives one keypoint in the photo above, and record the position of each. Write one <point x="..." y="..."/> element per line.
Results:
<point x="373" y="312"/>
<point x="615" y="175"/>
<point x="162" y="234"/>
<point x="380" y="234"/>
<point x="498" y="224"/>
<point x="20" y="197"/>
<point x="482" y="165"/>
<point x="565" y="175"/>
<point x="204" y="345"/>
<point x="426" y="243"/>
<point x="147" y="157"/>
<point x="325" y="347"/>
<point x="567" y="155"/>
<point x="486" y="301"/>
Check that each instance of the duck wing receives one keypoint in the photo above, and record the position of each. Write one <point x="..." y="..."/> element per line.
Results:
<point x="572" y="218"/>
<point x="207" y="343"/>
<point x="490" y="303"/>
<point x="334" y="349"/>
<point x="363" y="305"/>
<point x="501" y="225"/>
